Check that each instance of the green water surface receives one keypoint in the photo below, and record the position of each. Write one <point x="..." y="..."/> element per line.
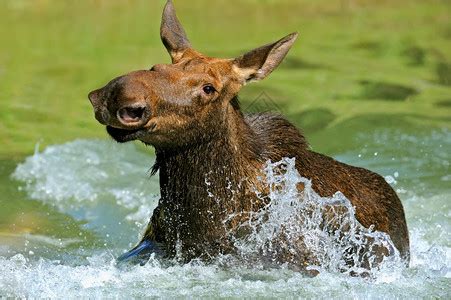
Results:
<point x="369" y="82"/>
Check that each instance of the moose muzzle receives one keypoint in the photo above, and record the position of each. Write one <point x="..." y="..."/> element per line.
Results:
<point x="127" y="116"/>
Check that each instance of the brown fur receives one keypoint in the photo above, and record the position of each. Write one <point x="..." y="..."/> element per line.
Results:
<point x="206" y="146"/>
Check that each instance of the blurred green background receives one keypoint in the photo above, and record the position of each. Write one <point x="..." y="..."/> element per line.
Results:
<point x="357" y="64"/>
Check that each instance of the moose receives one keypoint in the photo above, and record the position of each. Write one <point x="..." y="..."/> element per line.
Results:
<point x="205" y="145"/>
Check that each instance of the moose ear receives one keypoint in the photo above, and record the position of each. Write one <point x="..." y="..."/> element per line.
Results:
<point x="259" y="63"/>
<point x="172" y="33"/>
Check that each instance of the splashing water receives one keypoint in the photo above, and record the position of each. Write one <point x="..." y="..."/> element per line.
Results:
<point x="310" y="228"/>
<point x="105" y="186"/>
<point x="102" y="171"/>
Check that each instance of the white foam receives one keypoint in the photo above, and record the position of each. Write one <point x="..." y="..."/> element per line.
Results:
<point x="86" y="174"/>
<point x="24" y="277"/>
<point x="296" y="218"/>
<point x="82" y="173"/>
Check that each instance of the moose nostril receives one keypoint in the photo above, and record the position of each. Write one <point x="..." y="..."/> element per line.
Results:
<point x="131" y="114"/>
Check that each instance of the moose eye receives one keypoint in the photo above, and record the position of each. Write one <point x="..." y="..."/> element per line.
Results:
<point x="209" y="89"/>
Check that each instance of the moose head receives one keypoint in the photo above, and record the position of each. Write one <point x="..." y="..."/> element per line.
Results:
<point x="173" y="105"/>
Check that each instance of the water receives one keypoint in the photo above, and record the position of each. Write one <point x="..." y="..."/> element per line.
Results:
<point x="293" y="221"/>
<point x="83" y="203"/>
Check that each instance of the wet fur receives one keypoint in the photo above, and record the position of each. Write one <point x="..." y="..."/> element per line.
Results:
<point x="210" y="156"/>
<point x="188" y="215"/>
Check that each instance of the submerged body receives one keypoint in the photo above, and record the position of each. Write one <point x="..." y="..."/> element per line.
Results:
<point x="210" y="156"/>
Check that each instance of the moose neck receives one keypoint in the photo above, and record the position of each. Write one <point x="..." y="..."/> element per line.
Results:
<point x="213" y="174"/>
<point x="203" y="186"/>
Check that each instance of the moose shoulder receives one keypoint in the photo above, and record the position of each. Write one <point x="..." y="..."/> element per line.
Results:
<point x="210" y="155"/>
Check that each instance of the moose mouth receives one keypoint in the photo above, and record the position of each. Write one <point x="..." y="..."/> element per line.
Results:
<point x="124" y="135"/>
